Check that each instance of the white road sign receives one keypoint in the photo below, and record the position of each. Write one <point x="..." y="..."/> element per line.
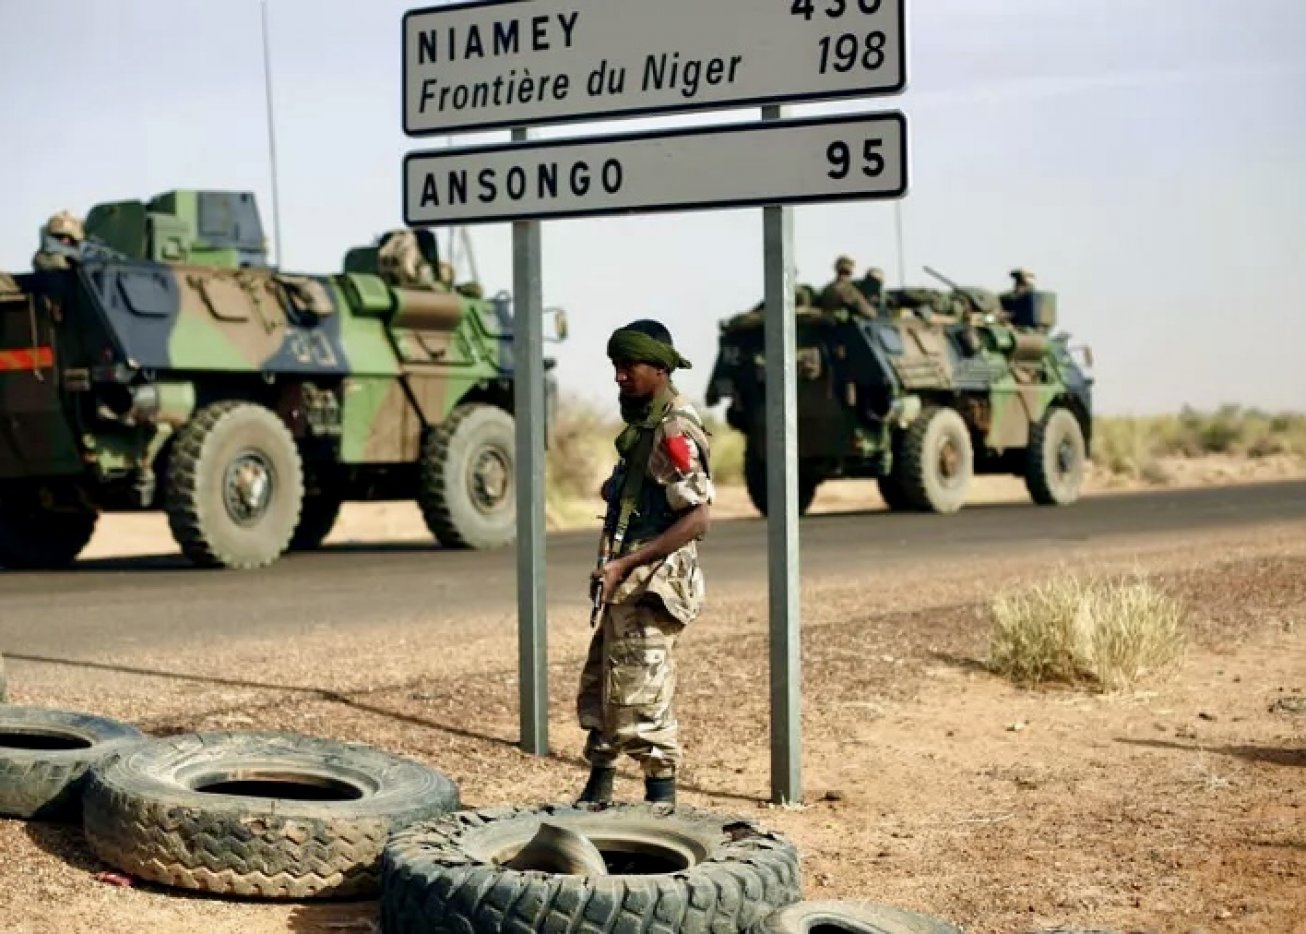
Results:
<point x="752" y="164"/>
<point x="530" y="62"/>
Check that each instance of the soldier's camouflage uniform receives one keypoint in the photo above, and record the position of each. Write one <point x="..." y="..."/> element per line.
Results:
<point x="401" y="263"/>
<point x="628" y="684"/>
<point x="61" y="238"/>
<point x="843" y="295"/>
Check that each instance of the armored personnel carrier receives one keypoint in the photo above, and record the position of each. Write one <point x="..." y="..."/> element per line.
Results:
<point x="169" y="367"/>
<point x="940" y="386"/>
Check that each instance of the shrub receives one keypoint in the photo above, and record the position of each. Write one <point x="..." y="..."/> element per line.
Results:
<point x="1109" y="633"/>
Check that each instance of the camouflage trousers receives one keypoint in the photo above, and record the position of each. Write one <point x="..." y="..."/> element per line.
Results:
<point x="627" y="688"/>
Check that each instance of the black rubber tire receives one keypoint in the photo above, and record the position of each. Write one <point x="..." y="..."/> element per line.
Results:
<point x="755" y="481"/>
<point x="194" y="498"/>
<point x="923" y="483"/>
<point x="443" y="875"/>
<point x="46" y="784"/>
<point x="858" y="917"/>
<point x="449" y="454"/>
<point x="34" y="537"/>
<point x="1049" y="482"/>
<point x="143" y="816"/>
<point x="317" y="517"/>
<point x="892" y="493"/>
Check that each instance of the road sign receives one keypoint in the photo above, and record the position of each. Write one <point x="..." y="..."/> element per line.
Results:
<point x="533" y="62"/>
<point x="804" y="160"/>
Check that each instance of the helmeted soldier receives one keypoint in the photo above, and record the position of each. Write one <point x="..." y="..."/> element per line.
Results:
<point x="872" y="286"/>
<point x="648" y="582"/>
<point x="1023" y="281"/>
<point x="842" y="294"/>
<point x="401" y="262"/>
<point x="61" y="241"/>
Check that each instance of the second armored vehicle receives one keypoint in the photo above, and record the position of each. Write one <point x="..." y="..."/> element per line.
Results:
<point x="938" y="387"/>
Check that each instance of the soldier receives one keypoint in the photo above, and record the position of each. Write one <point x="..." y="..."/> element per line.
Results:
<point x="401" y="263"/>
<point x="648" y="583"/>
<point x="842" y="294"/>
<point x="61" y="240"/>
<point x="1023" y="282"/>
<point x="872" y="286"/>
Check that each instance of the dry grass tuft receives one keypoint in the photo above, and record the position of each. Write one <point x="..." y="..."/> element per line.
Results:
<point x="1108" y="633"/>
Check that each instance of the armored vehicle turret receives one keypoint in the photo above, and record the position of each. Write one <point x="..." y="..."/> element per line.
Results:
<point x="936" y="387"/>
<point x="169" y="367"/>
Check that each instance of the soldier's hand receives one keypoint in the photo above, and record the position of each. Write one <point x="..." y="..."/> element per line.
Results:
<point x="611" y="574"/>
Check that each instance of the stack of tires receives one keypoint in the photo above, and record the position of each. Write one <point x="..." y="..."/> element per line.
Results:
<point x="278" y="815"/>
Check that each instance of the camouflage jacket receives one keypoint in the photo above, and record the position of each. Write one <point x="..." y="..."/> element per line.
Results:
<point x="684" y="473"/>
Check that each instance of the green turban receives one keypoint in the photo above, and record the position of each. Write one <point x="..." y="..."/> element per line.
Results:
<point x="638" y="347"/>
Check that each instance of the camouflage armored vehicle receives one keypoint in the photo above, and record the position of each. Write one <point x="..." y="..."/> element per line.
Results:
<point x="170" y="367"/>
<point x="938" y="387"/>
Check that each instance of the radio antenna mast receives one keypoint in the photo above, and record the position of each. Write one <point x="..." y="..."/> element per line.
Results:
<point x="272" y="133"/>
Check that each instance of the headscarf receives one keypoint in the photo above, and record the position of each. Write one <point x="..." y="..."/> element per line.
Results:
<point x="642" y="416"/>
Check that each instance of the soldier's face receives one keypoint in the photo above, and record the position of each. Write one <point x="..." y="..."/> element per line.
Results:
<point x="638" y="380"/>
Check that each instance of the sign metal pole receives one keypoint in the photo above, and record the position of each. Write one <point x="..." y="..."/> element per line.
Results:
<point x="528" y="404"/>
<point x="782" y="499"/>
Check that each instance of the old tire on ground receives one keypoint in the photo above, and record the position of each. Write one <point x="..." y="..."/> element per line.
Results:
<point x="45" y="755"/>
<point x="467" y="483"/>
<point x="39" y="532"/>
<point x="681" y="870"/>
<point x="938" y="461"/>
<point x="1054" y="472"/>
<point x="282" y="816"/>
<point x="830" y="917"/>
<point x="755" y="481"/>
<point x="235" y="487"/>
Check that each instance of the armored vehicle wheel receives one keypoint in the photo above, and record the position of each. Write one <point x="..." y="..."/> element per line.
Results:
<point x="1054" y="473"/>
<point x="467" y="490"/>
<point x="686" y="870"/>
<point x="755" y="480"/>
<point x="38" y="531"/>
<point x="45" y="755"/>
<point x="938" y="461"/>
<point x="316" y="520"/>
<point x="235" y="487"/>
<point x="269" y="815"/>
<point x="893" y="494"/>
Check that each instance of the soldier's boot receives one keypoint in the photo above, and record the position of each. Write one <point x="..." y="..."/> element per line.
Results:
<point x="598" y="790"/>
<point x="660" y="790"/>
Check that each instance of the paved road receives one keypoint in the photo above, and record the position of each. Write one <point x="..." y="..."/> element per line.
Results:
<point x="108" y="604"/>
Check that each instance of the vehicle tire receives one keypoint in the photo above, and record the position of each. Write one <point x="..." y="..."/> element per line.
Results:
<point x="317" y="517"/>
<point x="45" y="755"/>
<point x="938" y="461"/>
<point x="283" y="816"/>
<point x="894" y="496"/>
<point x="1054" y="472"/>
<point x="36" y="533"/>
<point x="235" y="487"/>
<point x="467" y="479"/>
<point x="832" y="916"/>
<point x="755" y="481"/>
<point x="669" y="870"/>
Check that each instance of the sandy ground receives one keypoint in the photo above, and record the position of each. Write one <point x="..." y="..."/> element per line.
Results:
<point x="929" y="783"/>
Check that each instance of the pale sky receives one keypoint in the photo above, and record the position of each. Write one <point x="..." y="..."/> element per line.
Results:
<point x="1144" y="157"/>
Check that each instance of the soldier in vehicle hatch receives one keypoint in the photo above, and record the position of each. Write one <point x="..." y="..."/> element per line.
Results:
<point x="61" y="241"/>
<point x="1022" y="282"/>
<point x="401" y="262"/>
<point x="842" y="294"/>
<point x="647" y="586"/>
<point x="872" y="286"/>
